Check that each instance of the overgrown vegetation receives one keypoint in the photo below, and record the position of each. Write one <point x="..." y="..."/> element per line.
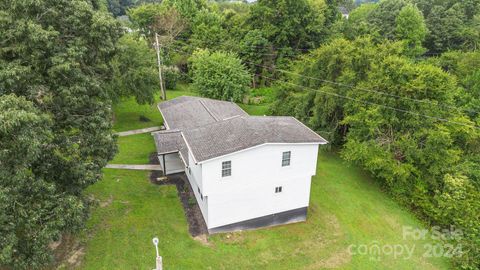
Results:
<point x="395" y="87"/>
<point x="55" y="134"/>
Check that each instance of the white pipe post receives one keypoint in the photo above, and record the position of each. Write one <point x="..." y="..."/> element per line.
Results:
<point x="158" y="261"/>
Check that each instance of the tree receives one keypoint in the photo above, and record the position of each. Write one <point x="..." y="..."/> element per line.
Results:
<point x="337" y="63"/>
<point x="219" y="75"/>
<point x="169" y="24"/>
<point x="384" y="17"/>
<point x="358" y="23"/>
<point x="56" y="54"/>
<point x="34" y="211"/>
<point x="144" y="17"/>
<point x="412" y="29"/>
<point x="188" y="8"/>
<point x="446" y="26"/>
<point x="254" y="51"/>
<point x="208" y="31"/>
<point x="135" y="71"/>
<point x="288" y="24"/>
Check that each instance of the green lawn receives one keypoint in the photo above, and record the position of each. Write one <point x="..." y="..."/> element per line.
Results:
<point x="128" y="112"/>
<point x="346" y="208"/>
<point x="134" y="149"/>
<point x="255" y="109"/>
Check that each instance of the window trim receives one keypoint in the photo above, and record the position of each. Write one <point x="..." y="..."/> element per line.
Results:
<point x="286" y="161"/>
<point x="226" y="168"/>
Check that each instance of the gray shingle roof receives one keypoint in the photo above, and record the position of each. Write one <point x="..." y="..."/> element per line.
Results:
<point x="168" y="141"/>
<point x="235" y="134"/>
<point x="190" y="112"/>
<point x="214" y="128"/>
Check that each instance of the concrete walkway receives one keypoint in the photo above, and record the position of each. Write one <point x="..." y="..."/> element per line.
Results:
<point x="138" y="131"/>
<point x="135" y="167"/>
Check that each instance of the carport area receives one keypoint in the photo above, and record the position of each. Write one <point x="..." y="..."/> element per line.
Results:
<point x="170" y="146"/>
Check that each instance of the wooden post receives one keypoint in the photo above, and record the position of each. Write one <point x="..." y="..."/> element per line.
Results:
<point x="159" y="61"/>
<point x="164" y="166"/>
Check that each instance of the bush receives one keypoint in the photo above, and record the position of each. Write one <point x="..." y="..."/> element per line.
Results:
<point x="172" y="75"/>
<point x="219" y="75"/>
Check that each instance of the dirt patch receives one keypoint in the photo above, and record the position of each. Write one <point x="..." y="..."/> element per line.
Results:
<point x="337" y="260"/>
<point x="68" y="251"/>
<point x="107" y="202"/>
<point x="334" y="225"/>
<point x="76" y="257"/>
<point x="233" y="238"/>
<point x="203" y="239"/>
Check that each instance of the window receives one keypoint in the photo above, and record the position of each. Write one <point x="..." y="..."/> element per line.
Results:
<point x="189" y="170"/>
<point x="286" y="158"/>
<point x="278" y="189"/>
<point x="201" y="195"/>
<point x="226" y="168"/>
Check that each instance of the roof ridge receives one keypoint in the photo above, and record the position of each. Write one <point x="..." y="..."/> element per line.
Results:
<point x="208" y="110"/>
<point x="216" y="123"/>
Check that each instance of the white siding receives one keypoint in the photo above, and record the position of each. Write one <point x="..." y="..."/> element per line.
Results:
<point x="173" y="162"/>
<point x="250" y="191"/>
<point x="194" y="176"/>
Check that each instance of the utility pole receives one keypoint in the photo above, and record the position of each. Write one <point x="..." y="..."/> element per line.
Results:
<point x="159" y="61"/>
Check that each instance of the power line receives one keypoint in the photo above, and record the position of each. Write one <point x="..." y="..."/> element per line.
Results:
<point x="372" y="103"/>
<point x="376" y="104"/>
<point x="367" y="90"/>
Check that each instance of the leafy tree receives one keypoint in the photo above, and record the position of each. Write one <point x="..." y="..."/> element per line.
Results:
<point x="288" y="23"/>
<point x="335" y="64"/>
<point x="56" y="55"/>
<point x="446" y="26"/>
<point x="208" y="31"/>
<point x="458" y="202"/>
<point x="119" y="7"/>
<point x="135" y="71"/>
<point x="358" y="23"/>
<point x="257" y="54"/>
<point x="144" y="17"/>
<point x="188" y="8"/>
<point x="384" y="18"/>
<point x="169" y="24"/>
<point x="412" y="29"/>
<point x="401" y="120"/>
<point x="219" y="75"/>
<point x="34" y="210"/>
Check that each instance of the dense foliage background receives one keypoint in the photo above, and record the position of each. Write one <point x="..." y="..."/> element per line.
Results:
<point x="395" y="88"/>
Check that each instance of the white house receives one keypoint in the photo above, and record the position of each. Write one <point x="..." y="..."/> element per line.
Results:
<point x="246" y="171"/>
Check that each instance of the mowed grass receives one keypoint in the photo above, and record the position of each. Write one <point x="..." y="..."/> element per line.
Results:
<point x="128" y="112"/>
<point x="134" y="149"/>
<point x="255" y="109"/>
<point x="346" y="207"/>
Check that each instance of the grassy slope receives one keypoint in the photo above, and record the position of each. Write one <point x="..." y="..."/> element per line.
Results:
<point x="128" y="112"/>
<point x="346" y="208"/>
<point x="132" y="149"/>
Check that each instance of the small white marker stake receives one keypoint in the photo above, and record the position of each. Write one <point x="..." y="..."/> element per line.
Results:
<point x="159" y="258"/>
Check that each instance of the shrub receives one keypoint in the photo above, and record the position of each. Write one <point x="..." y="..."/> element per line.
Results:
<point x="219" y="75"/>
<point x="172" y="75"/>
